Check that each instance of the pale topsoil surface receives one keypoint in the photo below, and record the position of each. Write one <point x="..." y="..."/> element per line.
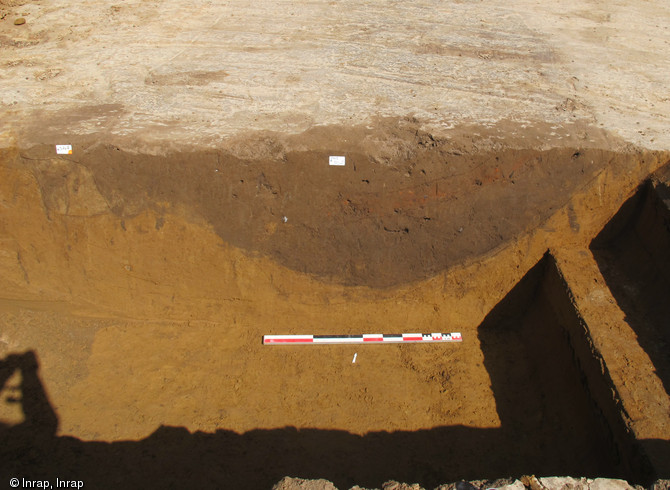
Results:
<point x="198" y="212"/>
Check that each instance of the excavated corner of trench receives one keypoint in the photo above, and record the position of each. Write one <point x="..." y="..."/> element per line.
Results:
<point x="633" y="253"/>
<point x="550" y="387"/>
<point x="382" y="221"/>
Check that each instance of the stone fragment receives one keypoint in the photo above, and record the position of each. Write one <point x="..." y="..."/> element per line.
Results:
<point x="394" y="485"/>
<point x="531" y="481"/>
<point x="563" y="483"/>
<point x="20" y="21"/>
<point x="288" y="483"/>
<point x="517" y="485"/>
<point x="608" y="484"/>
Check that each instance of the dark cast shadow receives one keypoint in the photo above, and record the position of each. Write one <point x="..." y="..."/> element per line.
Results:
<point x="633" y="255"/>
<point x="555" y="420"/>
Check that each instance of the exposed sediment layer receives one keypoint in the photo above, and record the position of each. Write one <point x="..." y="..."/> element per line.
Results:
<point x="405" y="207"/>
<point x="166" y="273"/>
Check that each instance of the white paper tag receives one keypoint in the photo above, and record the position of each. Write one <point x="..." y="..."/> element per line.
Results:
<point x="64" y="149"/>
<point x="339" y="161"/>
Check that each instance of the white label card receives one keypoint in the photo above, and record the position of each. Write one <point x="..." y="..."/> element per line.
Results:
<point x="64" y="149"/>
<point x="339" y="161"/>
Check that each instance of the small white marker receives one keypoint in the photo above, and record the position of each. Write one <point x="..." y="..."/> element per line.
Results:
<point x="355" y="354"/>
<point x="64" y="149"/>
<point x="336" y="160"/>
<point x="284" y="219"/>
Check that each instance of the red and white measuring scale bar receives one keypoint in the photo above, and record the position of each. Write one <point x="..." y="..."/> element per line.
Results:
<point x="362" y="339"/>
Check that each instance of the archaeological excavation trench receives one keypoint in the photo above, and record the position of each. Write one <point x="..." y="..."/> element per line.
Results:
<point x="633" y="253"/>
<point x="136" y="289"/>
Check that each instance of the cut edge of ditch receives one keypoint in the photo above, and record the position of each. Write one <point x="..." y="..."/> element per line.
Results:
<point x="544" y="285"/>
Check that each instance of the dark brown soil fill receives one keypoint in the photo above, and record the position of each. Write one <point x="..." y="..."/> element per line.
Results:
<point x="153" y="369"/>
<point x="376" y="222"/>
<point x="633" y="253"/>
<point x="550" y="423"/>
